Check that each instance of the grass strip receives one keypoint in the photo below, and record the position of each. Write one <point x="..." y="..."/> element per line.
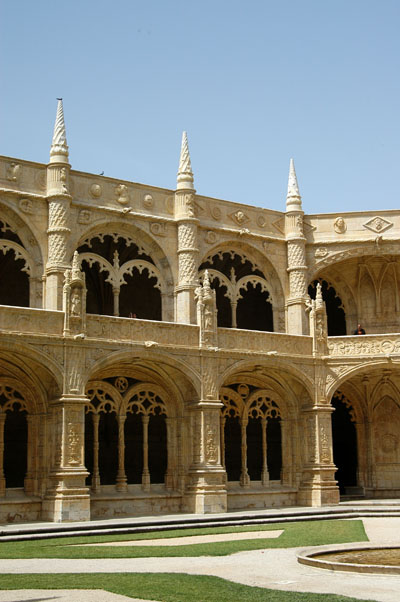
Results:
<point x="164" y="587"/>
<point x="295" y="534"/>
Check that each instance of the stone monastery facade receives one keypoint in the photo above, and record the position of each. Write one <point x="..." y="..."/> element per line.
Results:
<point x="164" y="352"/>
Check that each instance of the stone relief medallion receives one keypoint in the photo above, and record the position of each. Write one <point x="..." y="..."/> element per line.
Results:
<point x="215" y="212"/>
<point x="26" y="205"/>
<point x="95" y="190"/>
<point x="261" y="221"/>
<point x="158" y="229"/>
<point x="243" y="390"/>
<point x="378" y="224"/>
<point x="321" y="252"/>
<point x="210" y="237"/>
<point x="388" y="443"/>
<point x="339" y="225"/>
<point x="84" y="216"/>
<point x="40" y="180"/>
<point x="121" y="192"/>
<point x="121" y="383"/>
<point x="169" y="205"/>
<point x="148" y="201"/>
<point x="239" y="217"/>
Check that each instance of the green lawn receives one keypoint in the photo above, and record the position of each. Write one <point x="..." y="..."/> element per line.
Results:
<point x="167" y="587"/>
<point x="295" y="534"/>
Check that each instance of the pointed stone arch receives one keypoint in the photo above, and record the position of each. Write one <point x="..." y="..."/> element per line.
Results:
<point x="21" y="261"/>
<point x="237" y="262"/>
<point x="128" y="271"/>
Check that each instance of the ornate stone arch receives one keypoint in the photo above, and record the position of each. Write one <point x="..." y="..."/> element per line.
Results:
<point x="262" y="404"/>
<point x="25" y="247"/>
<point x="261" y="273"/>
<point x="147" y="398"/>
<point x="150" y="263"/>
<point x="109" y="398"/>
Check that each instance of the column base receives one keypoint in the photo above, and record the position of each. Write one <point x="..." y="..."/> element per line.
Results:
<point x="68" y="501"/>
<point x="206" y="491"/>
<point x="318" y="487"/>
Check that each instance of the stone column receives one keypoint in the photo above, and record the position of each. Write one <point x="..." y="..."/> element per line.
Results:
<point x="297" y="322"/>
<point x="29" y="481"/>
<point x="67" y="497"/>
<point x="146" y="472"/>
<point x="187" y="225"/>
<point x="264" y="472"/>
<point x="59" y="200"/>
<point x="121" y="484"/>
<point x="96" y="472"/>
<point x="244" y="475"/>
<point x="2" y="479"/>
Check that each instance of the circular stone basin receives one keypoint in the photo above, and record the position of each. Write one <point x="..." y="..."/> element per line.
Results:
<point x="371" y="559"/>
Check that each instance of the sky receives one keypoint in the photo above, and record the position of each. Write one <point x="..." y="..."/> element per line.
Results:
<point x="254" y="83"/>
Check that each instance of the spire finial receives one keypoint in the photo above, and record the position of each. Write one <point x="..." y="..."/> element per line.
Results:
<point x="59" y="146"/>
<point x="185" y="179"/>
<point x="293" y="199"/>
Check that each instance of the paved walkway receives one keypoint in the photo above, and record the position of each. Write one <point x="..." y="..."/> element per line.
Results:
<point x="275" y="569"/>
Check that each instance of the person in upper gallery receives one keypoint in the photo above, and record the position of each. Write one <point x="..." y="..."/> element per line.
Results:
<point x="359" y="330"/>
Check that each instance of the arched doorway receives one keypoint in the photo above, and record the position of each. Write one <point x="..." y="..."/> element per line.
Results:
<point x="344" y="439"/>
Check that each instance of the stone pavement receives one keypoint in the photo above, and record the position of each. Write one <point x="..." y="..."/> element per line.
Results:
<point x="275" y="569"/>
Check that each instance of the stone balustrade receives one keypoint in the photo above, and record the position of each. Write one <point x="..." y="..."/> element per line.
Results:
<point x="127" y="329"/>
<point x="28" y="320"/>
<point x="252" y="340"/>
<point x="374" y="344"/>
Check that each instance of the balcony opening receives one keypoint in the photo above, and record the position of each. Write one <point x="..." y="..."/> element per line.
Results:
<point x="334" y="307"/>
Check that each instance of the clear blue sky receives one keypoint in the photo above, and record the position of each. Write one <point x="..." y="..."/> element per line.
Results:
<point x="253" y="83"/>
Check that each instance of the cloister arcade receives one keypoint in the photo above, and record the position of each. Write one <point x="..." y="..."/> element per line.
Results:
<point x="163" y="351"/>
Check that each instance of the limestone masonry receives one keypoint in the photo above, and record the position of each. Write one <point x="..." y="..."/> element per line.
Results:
<point x="166" y="352"/>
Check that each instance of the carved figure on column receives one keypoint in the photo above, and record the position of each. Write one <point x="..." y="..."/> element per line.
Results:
<point x="206" y="313"/>
<point x="318" y="322"/>
<point x="74" y="300"/>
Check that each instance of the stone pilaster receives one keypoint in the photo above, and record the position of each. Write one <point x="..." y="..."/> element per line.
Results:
<point x="187" y="226"/>
<point x="206" y="488"/>
<point x="67" y="497"/>
<point x="318" y="486"/>
<point x="297" y="322"/>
